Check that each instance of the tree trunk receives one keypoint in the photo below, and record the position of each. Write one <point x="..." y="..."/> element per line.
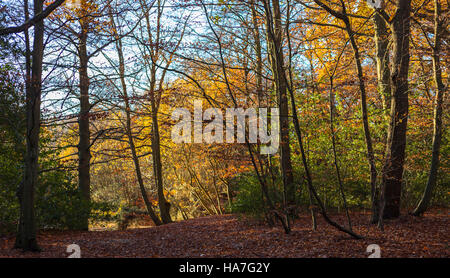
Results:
<point x="309" y="178"/>
<point x="26" y="235"/>
<point x="84" y="153"/>
<point x="275" y="32"/>
<point x="382" y="59"/>
<point x="362" y="89"/>
<point x="384" y="89"/>
<point x="164" y="205"/>
<point x="129" y="133"/>
<point x="396" y="141"/>
<point x="258" y="50"/>
<point x="437" y="123"/>
<point x="335" y="159"/>
<point x="262" y="101"/>
<point x="365" y="117"/>
<point x="296" y="121"/>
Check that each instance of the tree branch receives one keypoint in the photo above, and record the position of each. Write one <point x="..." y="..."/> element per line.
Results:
<point x="31" y="22"/>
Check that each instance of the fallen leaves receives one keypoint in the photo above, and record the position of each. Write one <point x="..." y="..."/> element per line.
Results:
<point x="230" y="236"/>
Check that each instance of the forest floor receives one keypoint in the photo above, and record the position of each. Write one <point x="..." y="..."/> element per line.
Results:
<point x="232" y="236"/>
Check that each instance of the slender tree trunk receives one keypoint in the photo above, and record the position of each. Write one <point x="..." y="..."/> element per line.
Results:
<point x="362" y="89"/>
<point x="265" y="192"/>
<point x="396" y="141"/>
<point x="26" y="235"/>
<point x="335" y="161"/>
<point x="305" y="163"/>
<point x="137" y="166"/>
<point x="275" y="34"/>
<point x="135" y="157"/>
<point x="258" y="50"/>
<point x="295" y="117"/>
<point x="365" y="117"/>
<point x="259" y="88"/>
<point x="384" y="89"/>
<point x="164" y="205"/>
<point x="309" y="178"/>
<point x="284" y="221"/>
<point x="216" y="188"/>
<point x="27" y="50"/>
<point x="304" y="160"/>
<point x="382" y="59"/>
<point x="437" y="123"/>
<point x="84" y="153"/>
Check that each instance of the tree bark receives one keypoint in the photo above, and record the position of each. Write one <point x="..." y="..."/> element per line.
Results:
<point x="382" y="59"/>
<point x="26" y="235"/>
<point x="384" y="90"/>
<point x="164" y="205"/>
<point x="275" y="36"/>
<point x="261" y="100"/>
<point x="84" y="144"/>
<point x="396" y="141"/>
<point x="258" y="50"/>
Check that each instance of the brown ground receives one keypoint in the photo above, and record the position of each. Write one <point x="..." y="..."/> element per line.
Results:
<point x="229" y="236"/>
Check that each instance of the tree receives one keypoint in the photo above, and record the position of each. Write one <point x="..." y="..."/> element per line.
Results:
<point x="439" y="28"/>
<point x="392" y="175"/>
<point x="128" y="127"/>
<point x="384" y="88"/>
<point x="86" y="30"/>
<point x="275" y="40"/>
<point x="343" y="16"/>
<point x="26" y="235"/>
<point x="84" y="144"/>
<point x="153" y="55"/>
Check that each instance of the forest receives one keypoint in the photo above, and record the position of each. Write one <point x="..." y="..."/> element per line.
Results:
<point x="212" y="128"/>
